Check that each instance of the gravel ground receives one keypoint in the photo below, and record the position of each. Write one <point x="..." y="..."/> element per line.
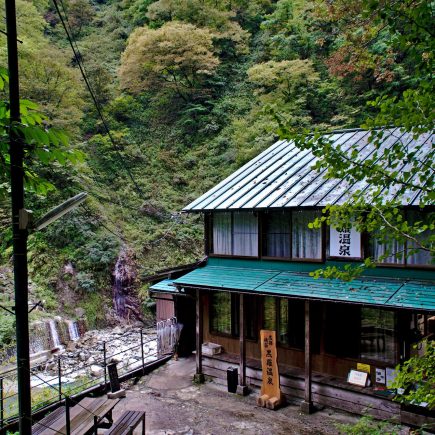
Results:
<point x="174" y="405"/>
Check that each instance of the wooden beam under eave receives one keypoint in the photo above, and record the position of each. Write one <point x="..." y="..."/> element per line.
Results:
<point x="307" y="404"/>
<point x="199" y="376"/>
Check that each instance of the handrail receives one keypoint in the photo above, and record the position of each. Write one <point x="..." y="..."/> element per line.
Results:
<point x="8" y="401"/>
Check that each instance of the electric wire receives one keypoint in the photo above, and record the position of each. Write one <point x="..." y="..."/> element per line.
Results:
<point x="75" y="402"/>
<point x="99" y="221"/>
<point x="78" y="58"/>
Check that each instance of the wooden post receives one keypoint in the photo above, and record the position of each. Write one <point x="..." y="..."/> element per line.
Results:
<point x="199" y="376"/>
<point x="307" y="404"/>
<point x="242" y="388"/>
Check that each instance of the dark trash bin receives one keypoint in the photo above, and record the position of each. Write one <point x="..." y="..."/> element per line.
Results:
<point x="232" y="376"/>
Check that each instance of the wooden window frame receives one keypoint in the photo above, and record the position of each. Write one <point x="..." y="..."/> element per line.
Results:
<point x="277" y="307"/>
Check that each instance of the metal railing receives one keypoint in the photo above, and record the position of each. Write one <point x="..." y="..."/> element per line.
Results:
<point x="52" y="390"/>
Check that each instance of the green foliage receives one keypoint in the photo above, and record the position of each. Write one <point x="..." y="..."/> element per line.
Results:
<point x="286" y="79"/>
<point x="286" y="33"/>
<point x="93" y="304"/>
<point x="368" y="426"/>
<point x="227" y="33"/>
<point x="191" y="90"/>
<point x="401" y="34"/>
<point x="46" y="75"/>
<point x="7" y="329"/>
<point x="176" y="57"/>
<point x="44" y="146"/>
<point x="416" y="377"/>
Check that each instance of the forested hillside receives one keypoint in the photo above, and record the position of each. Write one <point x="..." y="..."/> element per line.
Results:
<point x="190" y="90"/>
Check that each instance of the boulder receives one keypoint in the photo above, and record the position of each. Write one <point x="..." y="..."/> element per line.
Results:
<point x="97" y="371"/>
<point x="80" y="312"/>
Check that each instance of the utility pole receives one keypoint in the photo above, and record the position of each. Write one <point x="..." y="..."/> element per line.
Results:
<point x="19" y="227"/>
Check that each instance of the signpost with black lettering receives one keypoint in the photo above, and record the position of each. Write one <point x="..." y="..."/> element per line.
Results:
<point x="271" y="396"/>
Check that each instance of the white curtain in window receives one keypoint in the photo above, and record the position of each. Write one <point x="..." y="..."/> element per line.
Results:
<point x="222" y="233"/>
<point x="278" y="235"/>
<point x="306" y="242"/>
<point x="245" y="233"/>
<point x="394" y="247"/>
<point x="420" y="257"/>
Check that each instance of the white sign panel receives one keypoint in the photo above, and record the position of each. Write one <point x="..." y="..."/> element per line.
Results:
<point x="344" y="242"/>
<point x="357" y="378"/>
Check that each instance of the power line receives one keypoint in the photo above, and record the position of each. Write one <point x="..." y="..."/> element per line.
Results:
<point x="78" y="58"/>
<point x="92" y="215"/>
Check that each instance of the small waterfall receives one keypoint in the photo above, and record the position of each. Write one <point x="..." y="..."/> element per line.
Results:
<point x="73" y="330"/>
<point x="125" y="301"/>
<point x="54" y="334"/>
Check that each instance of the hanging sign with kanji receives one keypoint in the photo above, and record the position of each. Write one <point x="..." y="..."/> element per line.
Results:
<point x="270" y="390"/>
<point x="344" y="242"/>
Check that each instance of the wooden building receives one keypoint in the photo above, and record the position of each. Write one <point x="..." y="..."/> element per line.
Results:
<point x="260" y="252"/>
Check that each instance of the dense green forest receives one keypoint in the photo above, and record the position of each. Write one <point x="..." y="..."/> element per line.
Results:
<point x="190" y="90"/>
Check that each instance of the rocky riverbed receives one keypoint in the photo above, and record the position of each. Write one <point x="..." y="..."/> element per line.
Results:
<point x="85" y="357"/>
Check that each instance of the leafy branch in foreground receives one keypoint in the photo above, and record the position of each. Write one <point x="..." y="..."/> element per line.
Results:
<point x="416" y="377"/>
<point x="387" y="174"/>
<point x="43" y="147"/>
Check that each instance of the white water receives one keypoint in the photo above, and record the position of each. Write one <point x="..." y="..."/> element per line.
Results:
<point x="73" y="330"/>
<point x="54" y="334"/>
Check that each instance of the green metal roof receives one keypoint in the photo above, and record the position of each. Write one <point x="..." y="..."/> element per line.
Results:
<point x="282" y="176"/>
<point x="384" y="292"/>
<point x="164" y="286"/>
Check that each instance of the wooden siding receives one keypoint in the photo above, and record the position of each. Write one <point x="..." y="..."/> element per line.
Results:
<point x="322" y="363"/>
<point x="165" y="308"/>
<point x="326" y="390"/>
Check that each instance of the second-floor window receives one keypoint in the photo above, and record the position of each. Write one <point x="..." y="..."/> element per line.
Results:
<point x="235" y="234"/>
<point x="306" y="242"/>
<point x="286" y="235"/>
<point x="406" y="251"/>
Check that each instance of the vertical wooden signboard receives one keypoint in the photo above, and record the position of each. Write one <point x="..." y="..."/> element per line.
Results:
<point x="271" y="396"/>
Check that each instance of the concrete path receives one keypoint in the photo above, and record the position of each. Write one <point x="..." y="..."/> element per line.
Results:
<point x="174" y="405"/>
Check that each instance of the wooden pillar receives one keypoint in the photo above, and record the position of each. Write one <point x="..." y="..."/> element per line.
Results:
<point x="242" y="388"/>
<point x="307" y="404"/>
<point x="199" y="376"/>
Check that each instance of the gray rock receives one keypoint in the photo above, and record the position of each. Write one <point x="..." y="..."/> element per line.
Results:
<point x="97" y="371"/>
<point x="80" y="312"/>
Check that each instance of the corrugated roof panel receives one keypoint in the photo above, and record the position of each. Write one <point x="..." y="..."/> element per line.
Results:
<point x="343" y="190"/>
<point x="261" y="192"/>
<point x="322" y="185"/>
<point x="282" y="177"/>
<point x="263" y="177"/>
<point x="390" y="192"/>
<point x="414" y="295"/>
<point x="310" y="176"/>
<point x="335" y="188"/>
<point x="396" y="293"/>
<point x="296" y="285"/>
<point x="252" y="176"/>
<point x="287" y="179"/>
<point x="244" y="279"/>
<point x="165" y="286"/>
<point x="239" y="174"/>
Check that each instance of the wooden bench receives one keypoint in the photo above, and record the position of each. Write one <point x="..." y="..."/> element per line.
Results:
<point x="127" y="422"/>
<point x="84" y="417"/>
<point x="47" y="421"/>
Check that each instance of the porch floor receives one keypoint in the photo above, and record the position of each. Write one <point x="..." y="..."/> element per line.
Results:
<point x="174" y="405"/>
<point x="328" y="391"/>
